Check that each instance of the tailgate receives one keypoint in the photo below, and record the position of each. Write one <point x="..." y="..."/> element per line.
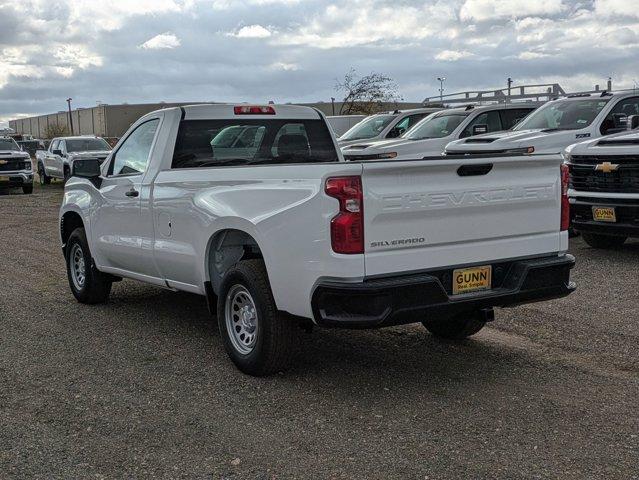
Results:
<point x="456" y="211"/>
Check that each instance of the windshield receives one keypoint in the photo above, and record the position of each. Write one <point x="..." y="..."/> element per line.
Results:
<point x="87" y="145"/>
<point x="563" y="115"/>
<point x="8" y="144"/>
<point x="436" y="126"/>
<point x="369" y="127"/>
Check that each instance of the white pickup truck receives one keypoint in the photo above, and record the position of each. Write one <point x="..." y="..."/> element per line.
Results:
<point x="281" y="231"/>
<point x="604" y="188"/>
<point x="556" y="125"/>
<point x="57" y="160"/>
<point x="15" y="166"/>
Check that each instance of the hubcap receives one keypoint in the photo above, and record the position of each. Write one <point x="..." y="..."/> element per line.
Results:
<point x="241" y="319"/>
<point x="78" y="272"/>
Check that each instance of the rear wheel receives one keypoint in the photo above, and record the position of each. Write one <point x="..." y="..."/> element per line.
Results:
<point x="258" y="338"/>
<point x="603" y="241"/>
<point x="27" y="189"/>
<point x="457" y="327"/>
<point x="67" y="174"/>
<point x="87" y="283"/>
<point x="44" y="178"/>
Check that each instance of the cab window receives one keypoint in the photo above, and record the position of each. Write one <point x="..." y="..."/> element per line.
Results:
<point x="133" y="155"/>
<point x="626" y="106"/>
<point x="512" y="116"/>
<point x="490" y="119"/>
<point x="405" y="124"/>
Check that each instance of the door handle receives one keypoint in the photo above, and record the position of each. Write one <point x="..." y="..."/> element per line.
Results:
<point x="474" y="170"/>
<point x="132" y="193"/>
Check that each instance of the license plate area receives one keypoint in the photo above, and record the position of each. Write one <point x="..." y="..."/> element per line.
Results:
<point x="472" y="279"/>
<point x="604" y="214"/>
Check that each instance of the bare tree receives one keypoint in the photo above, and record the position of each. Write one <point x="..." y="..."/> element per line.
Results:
<point x="366" y="94"/>
<point x="55" y="130"/>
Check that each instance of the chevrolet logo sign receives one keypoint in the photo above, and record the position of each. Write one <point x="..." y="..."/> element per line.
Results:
<point x="3" y="162"/>
<point x="606" y="167"/>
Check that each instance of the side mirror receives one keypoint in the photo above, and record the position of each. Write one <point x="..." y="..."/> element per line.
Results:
<point x="57" y="151"/>
<point x="480" y="128"/>
<point x="395" y="132"/>
<point x="620" y="120"/>
<point x="89" y="169"/>
<point x="633" y="122"/>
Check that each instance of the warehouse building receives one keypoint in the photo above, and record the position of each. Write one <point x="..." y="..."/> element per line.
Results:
<point x="111" y="121"/>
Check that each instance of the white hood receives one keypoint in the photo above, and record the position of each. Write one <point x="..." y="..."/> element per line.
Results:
<point x="543" y="140"/>
<point x="403" y="147"/>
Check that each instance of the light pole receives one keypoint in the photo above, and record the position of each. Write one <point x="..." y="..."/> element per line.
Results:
<point x="441" y="87"/>
<point x="70" y="118"/>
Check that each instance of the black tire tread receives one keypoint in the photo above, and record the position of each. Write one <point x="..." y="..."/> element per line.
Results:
<point x="456" y="328"/>
<point x="97" y="285"/>
<point x="278" y="332"/>
<point x="603" y="241"/>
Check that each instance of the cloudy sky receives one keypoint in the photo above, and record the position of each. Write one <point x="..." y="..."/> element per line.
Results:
<point x="131" y="51"/>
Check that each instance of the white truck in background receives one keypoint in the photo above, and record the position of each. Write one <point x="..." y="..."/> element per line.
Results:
<point x="280" y="232"/>
<point x="556" y="125"/>
<point x="15" y="166"/>
<point x="57" y="160"/>
<point x="604" y="188"/>
<point x="430" y="136"/>
<point x="384" y="126"/>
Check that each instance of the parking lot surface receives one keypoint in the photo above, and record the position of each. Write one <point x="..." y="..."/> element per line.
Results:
<point x="141" y="386"/>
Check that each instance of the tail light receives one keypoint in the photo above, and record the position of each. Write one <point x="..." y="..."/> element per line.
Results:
<point x="347" y="227"/>
<point x="253" y="110"/>
<point x="565" y="204"/>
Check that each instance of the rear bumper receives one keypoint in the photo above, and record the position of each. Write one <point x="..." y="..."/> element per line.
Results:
<point x="381" y="302"/>
<point x="16" y="179"/>
<point x="627" y="213"/>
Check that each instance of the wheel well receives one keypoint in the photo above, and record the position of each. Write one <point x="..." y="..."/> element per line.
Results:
<point x="226" y="249"/>
<point x="70" y="221"/>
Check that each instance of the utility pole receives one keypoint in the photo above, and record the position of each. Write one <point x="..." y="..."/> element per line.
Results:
<point x="441" y="87"/>
<point x="510" y="84"/>
<point x="70" y="118"/>
<point x="333" y="105"/>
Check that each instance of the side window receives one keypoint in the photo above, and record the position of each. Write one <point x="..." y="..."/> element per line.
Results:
<point x="627" y="106"/>
<point x="401" y="127"/>
<point x="512" y="116"/>
<point x="63" y="146"/>
<point x="54" y="145"/>
<point x="490" y="119"/>
<point x="413" y="119"/>
<point x="133" y="155"/>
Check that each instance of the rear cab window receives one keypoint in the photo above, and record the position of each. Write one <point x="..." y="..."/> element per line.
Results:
<point x="228" y="142"/>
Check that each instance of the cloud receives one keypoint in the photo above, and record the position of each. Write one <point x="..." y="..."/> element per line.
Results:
<point x="161" y="42"/>
<point x="482" y="10"/>
<point x="294" y="50"/>
<point x="252" y="31"/>
<point x="452" y="55"/>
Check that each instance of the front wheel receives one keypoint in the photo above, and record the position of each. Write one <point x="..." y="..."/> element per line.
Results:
<point x="44" y="178"/>
<point x="259" y="340"/>
<point x="603" y="241"/>
<point x="87" y="283"/>
<point x="456" y="328"/>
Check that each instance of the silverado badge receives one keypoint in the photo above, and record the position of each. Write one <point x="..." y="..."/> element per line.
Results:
<point x="606" y="167"/>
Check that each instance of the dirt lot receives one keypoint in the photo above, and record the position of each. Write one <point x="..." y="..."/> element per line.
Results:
<point x="141" y="386"/>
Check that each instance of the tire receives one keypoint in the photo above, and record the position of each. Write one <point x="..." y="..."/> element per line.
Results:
<point x="67" y="175"/>
<point x="456" y="328"/>
<point x="92" y="286"/>
<point x="246" y="307"/>
<point x="27" y="189"/>
<point x="44" y="178"/>
<point x="603" y="241"/>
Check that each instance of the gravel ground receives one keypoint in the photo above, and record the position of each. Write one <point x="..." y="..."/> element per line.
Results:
<point x="141" y="387"/>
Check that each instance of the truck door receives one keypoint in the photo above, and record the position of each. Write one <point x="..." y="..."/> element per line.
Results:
<point x="122" y="235"/>
<point x="49" y="159"/>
